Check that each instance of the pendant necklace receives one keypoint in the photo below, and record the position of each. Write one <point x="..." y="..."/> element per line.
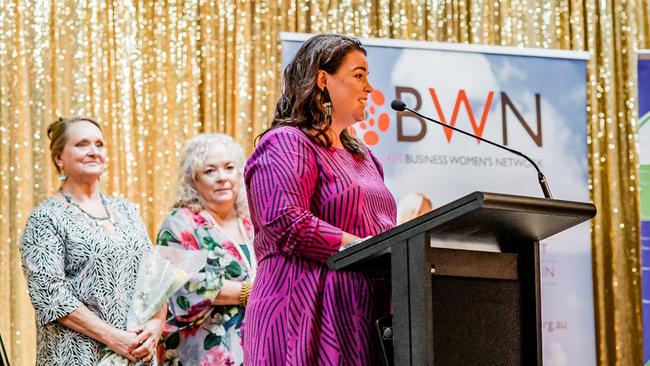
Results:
<point x="97" y="219"/>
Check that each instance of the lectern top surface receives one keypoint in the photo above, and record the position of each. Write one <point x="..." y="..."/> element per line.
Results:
<point x="481" y="217"/>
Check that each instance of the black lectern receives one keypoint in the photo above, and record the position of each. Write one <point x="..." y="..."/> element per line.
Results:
<point x="465" y="278"/>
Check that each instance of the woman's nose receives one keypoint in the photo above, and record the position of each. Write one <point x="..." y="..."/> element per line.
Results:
<point x="220" y="175"/>
<point x="369" y="88"/>
<point x="93" y="150"/>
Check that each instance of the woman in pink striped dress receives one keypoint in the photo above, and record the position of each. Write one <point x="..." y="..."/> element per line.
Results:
<point x="312" y="190"/>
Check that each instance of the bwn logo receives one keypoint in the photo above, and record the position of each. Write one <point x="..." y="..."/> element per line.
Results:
<point x="378" y="119"/>
<point x="477" y="118"/>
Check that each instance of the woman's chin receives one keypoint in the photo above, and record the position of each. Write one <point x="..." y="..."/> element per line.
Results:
<point x="360" y="117"/>
<point x="87" y="175"/>
<point x="223" y="199"/>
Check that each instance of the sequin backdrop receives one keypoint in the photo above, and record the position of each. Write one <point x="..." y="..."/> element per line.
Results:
<point x="157" y="72"/>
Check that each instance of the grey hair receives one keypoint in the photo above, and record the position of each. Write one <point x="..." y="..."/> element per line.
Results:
<point x="194" y="156"/>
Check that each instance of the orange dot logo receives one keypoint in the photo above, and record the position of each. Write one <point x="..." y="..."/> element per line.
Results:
<point x="368" y="128"/>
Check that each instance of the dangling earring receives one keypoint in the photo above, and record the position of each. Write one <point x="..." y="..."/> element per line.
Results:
<point x="62" y="175"/>
<point x="327" y="102"/>
<point x="328" y="109"/>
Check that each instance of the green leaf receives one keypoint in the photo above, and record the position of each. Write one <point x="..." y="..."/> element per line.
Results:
<point x="183" y="302"/>
<point x="209" y="243"/>
<point x="172" y="341"/>
<point x="233" y="269"/>
<point x="210" y="341"/>
<point x="213" y="261"/>
<point x="164" y="237"/>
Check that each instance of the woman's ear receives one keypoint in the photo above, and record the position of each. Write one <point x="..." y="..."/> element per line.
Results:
<point x="321" y="79"/>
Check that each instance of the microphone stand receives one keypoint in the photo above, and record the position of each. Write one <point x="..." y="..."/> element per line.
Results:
<point x="400" y="106"/>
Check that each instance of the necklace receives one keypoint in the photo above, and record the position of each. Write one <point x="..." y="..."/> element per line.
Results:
<point x="69" y="199"/>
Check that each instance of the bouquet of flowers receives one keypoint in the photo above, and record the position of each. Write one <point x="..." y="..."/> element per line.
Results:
<point x="162" y="272"/>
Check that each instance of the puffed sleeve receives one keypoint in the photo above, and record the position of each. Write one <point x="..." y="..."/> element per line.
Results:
<point x="281" y="178"/>
<point x="43" y="257"/>
<point x="190" y="303"/>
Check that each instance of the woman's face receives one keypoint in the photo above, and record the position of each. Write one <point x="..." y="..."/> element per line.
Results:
<point x="217" y="180"/>
<point x="349" y="88"/>
<point x="83" y="154"/>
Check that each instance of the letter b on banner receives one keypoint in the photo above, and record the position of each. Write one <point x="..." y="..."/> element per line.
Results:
<point x="399" y="92"/>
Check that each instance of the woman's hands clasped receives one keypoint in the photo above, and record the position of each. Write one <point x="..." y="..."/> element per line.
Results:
<point x="122" y="343"/>
<point x="148" y="334"/>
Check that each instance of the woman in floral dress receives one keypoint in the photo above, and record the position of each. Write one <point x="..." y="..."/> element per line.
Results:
<point x="210" y="213"/>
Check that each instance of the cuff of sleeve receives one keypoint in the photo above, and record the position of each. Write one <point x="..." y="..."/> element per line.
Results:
<point x="47" y="313"/>
<point x="326" y="241"/>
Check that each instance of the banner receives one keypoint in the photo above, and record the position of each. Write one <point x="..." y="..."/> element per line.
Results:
<point x="643" y="130"/>
<point x="530" y="100"/>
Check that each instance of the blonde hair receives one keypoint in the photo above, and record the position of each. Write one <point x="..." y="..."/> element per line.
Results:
<point x="57" y="133"/>
<point x="194" y="156"/>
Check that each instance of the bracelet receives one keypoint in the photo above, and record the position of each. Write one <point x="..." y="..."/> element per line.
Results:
<point x="354" y="242"/>
<point x="245" y="292"/>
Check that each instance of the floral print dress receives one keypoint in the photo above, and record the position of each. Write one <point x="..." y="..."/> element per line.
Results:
<point x="198" y="332"/>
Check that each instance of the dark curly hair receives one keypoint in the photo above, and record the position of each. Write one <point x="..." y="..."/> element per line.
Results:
<point x="301" y="103"/>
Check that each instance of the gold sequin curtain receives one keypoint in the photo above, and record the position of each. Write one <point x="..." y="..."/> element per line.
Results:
<point x="157" y="72"/>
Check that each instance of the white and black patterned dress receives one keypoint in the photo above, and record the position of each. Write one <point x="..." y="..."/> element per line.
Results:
<point x="70" y="260"/>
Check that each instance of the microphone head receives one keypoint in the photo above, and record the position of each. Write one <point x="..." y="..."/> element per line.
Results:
<point x="398" y="105"/>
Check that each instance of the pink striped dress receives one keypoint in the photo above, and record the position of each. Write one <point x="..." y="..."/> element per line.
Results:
<point x="301" y="196"/>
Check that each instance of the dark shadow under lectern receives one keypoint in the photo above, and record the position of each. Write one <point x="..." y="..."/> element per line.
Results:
<point x="465" y="278"/>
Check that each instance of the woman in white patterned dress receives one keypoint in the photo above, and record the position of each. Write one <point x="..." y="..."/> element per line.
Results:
<point x="81" y="252"/>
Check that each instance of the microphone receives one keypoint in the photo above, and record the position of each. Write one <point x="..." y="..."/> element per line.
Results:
<point x="400" y="106"/>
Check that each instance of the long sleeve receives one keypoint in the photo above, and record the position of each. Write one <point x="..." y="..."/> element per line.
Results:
<point x="281" y="179"/>
<point x="43" y="257"/>
<point x="191" y="301"/>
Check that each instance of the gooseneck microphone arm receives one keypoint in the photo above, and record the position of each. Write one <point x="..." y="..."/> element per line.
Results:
<point x="400" y="106"/>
